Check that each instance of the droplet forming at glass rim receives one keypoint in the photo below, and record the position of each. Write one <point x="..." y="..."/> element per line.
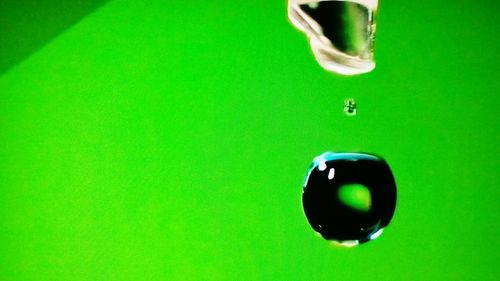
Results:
<point x="341" y="33"/>
<point x="349" y="198"/>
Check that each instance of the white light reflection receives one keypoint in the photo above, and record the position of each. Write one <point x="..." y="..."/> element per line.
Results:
<point x="322" y="166"/>
<point x="376" y="234"/>
<point x="346" y="243"/>
<point x="331" y="173"/>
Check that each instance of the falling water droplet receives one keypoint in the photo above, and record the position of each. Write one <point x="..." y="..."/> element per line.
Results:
<point x="350" y="107"/>
<point x="352" y="204"/>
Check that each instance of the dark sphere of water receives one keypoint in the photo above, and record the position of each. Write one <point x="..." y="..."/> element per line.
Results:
<point x="349" y="197"/>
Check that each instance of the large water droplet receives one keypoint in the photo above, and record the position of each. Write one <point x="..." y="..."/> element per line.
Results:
<point x="349" y="197"/>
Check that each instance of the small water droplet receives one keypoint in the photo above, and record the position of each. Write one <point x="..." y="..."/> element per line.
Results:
<point x="350" y="107"/>
<point x="354" y="205"/>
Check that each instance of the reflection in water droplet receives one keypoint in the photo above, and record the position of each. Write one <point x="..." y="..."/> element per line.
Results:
<point x="341" y="33"/>
<point x="352" y="204"/>
<point x="355" y="196"/>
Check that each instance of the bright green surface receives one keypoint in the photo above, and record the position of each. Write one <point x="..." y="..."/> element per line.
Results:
<point x="161" y="140"/>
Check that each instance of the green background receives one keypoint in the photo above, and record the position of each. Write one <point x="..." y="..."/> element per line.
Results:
<point x="168" y="140"/>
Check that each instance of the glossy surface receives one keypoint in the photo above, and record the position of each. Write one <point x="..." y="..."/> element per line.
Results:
<point x="330" y="205"/>
<point x="341" y="33"/>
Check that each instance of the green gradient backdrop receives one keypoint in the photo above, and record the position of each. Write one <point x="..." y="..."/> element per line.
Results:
<point x="168" y="141"/>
